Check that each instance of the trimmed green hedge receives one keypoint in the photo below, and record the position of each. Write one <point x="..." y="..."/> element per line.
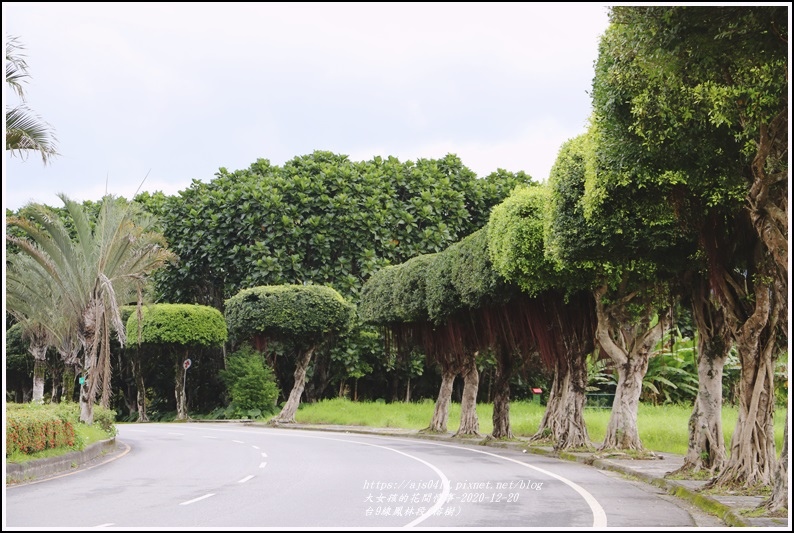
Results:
<point x="184" y="324"/>
<point x="306" y="314"/>
<point x="32" y="428"/>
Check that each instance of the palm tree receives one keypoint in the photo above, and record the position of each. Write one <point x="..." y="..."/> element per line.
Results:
<point x="31" y="298"/>
<point x="25" y="131"/>
<point x="106" y="265"/>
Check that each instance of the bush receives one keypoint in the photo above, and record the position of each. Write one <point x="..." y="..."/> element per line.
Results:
<point x="251" y="384"/>
<point x="32" y="428"/>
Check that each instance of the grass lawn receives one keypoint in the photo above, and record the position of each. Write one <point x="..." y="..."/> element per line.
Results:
<point x="662" y="428"/>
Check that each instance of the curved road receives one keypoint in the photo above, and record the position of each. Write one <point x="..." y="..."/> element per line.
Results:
<point x="211" y="476"/>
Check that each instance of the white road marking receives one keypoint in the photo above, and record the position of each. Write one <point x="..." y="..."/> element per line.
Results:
<point x="209" y="437"/>
<point x="264" y="454"/>
<point x="246" y="478"/>
<point x="262" y="465"/>
<point x="599" y="515"/>
<point x="238" y="441"/>
<point x="194" y="500"/>
<point x="106" y="525"/>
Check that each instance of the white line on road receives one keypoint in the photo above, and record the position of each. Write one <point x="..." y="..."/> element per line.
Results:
<point x="174" y="433"/>
<point x="209" y="437"/>
<point x="106" y="525"/>
<point x="194" y="500"/>
<point x="264" y="454"/>
<point x="262" y="465"/>
<point x="238" y="441"/>
<point x="246" y="478"/>
<point x="254" y="447"/>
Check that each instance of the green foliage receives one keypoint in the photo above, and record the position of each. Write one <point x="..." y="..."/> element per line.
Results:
<point x="672" y="375"/>
<point x="34" y="428"/>
<point x="516" y="240"/>
<point x="320" y="219"/>
<point x="408" y="291"/>
<point x="181" y="324"/>
<point x="376" y="305"/>
<point x="250" y="382"/>
<point x="463" y="277"/>
<point x="30" y="428"/>
<point x="302" y="314"/>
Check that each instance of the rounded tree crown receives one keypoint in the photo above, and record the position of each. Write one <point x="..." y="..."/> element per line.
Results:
<point x="298" y="313"/>
<point x="185" y="324"/>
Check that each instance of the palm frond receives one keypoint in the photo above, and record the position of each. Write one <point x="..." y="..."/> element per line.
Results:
<point x="27" y="132"/>
<point x="16" y="66"/>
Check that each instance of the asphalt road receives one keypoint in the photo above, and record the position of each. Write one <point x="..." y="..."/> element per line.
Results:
<point x="235" y="476"/>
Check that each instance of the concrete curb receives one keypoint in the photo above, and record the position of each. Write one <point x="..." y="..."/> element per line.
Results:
<point x="40" y="468"/>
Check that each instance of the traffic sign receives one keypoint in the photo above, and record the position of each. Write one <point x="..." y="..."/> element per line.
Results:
<point x="186" y="364"/>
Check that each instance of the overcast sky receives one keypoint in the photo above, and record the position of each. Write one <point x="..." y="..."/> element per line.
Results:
<point x="176" y="91"/>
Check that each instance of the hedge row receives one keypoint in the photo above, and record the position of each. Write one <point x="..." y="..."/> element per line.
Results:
<point x="32" y="430"/>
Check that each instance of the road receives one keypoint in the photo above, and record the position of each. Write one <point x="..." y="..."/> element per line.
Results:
<point x="237" y="476"/>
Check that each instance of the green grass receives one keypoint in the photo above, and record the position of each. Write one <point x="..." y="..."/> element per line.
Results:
<point x="662" y="428"/>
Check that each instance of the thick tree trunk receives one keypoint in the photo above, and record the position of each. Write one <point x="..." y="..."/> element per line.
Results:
<point x="546" y="427"/>
<point x="778" y="501"/>
<point x="622" y="432"/>
<point x="572" y="431"/>
<point x="629" y="346"/>
<point x="441" y="411"/>
<point x="469" y="423"/>
<point x="752" y="455"/>
<point x="706" y="450"/>
<point x="287" y="414"/>
<point x="563" y="420"/>
<point x="179" y="389"/>
<point x="501" y="400"/>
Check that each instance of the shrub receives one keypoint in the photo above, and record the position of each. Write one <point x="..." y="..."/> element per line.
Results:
<point x="251" y="384"/>
<point x="34" y="428"/>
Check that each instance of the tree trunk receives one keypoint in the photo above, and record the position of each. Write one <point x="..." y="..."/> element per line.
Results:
<point x="629" y="346"/>
<point x="752" y="456"/>
<point x="39" y="353"/>
<point x="287" y="414"/>
<point x="179" y="389"/>
<point x="441" y="411"/>
<point x="86" y="404"/>
<point x="501" y="399"/>
<point x="469" y="423"/>
<point x="140" y="386"/>
<point x="706" y="450"/>
<point x="778" y="501"/>
<point x="67" y="390"/>
<point x="57" y="375"/>
<point x="547" y="423"/>
<point x="408" y="390"/>
<point x="622" y="432"/>
<point x="563" y="420"/>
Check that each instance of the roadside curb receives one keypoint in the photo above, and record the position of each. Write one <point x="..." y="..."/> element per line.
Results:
<point x="40" y="468"/>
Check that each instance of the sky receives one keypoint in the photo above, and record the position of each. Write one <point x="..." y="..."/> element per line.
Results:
<point x="151" y="96"/>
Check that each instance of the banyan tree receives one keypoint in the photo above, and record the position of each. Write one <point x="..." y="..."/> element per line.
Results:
<point x="558" y="315"/>
<point x="301" y="316"/>
<point x="450" y="304"/>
